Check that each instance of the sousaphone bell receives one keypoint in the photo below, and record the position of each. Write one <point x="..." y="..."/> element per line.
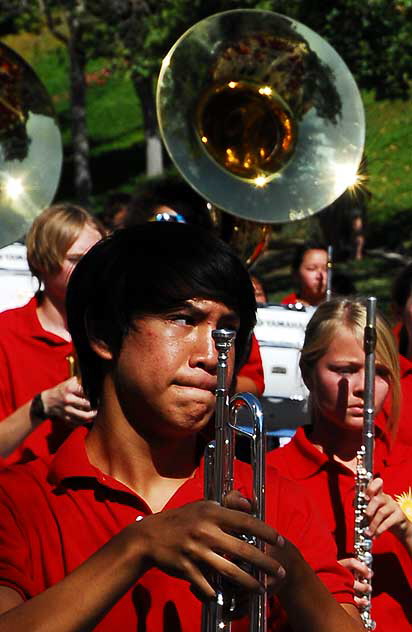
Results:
<point x="30" y="146"/>
<point x="260" y="115"/>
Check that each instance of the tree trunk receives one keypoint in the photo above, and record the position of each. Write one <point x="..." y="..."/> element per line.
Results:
<point x="143" y="87"/>
<point x="80" y="140"/>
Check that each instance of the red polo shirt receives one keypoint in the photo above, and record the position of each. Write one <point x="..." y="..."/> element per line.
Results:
<point x="290" y="299"/>
<point x="53" y="517"/>
<point x="332" y="485"/>
<point x="403" y="438"/>
<point x="253" y="367"/>
<point x="31" y="360"/>
<point x="404" y="434"/>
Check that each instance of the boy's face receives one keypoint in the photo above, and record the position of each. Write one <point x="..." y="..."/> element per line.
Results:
<point x="165" y="375"/>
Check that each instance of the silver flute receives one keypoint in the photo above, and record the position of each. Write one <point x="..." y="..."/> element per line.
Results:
<point x="364" y="457"/>
<point x="219" y="481"/>
<point x="329" y="274"/>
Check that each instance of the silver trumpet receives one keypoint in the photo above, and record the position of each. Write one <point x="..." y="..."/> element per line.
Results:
<point x="219" y="457"/>
<point x="364" y="465"/>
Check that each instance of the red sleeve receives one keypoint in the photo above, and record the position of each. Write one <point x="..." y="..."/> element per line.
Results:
<point x="15" y="557"/>
<point x="253" y="367"/>
<point x="292" y="513"/>
<point x="6" y="403"/>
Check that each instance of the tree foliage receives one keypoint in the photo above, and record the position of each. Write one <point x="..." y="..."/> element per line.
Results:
<point x="374" y="38"/>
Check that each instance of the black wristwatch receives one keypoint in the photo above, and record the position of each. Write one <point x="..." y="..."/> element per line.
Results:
<point x="37" y="408"/>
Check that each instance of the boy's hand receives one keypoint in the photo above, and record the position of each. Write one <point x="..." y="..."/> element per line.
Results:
<point x="200" y="539"/>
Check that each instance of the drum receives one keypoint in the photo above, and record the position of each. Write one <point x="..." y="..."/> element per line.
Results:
<point x="17" y="284"/>
<point x="280" y="331"/>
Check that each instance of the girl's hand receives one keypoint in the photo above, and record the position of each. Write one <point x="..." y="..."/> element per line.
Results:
<point x="384" y="513"/>
<point x="360" y="572"/>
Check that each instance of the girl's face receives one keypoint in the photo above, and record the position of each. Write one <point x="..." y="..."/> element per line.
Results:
<point x="312" y="276"/>
<point x="337" y="383"/>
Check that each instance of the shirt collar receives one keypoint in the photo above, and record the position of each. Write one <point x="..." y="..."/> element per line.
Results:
<point x="71" y="462"/>
<point x="307" y="460"/>
<point x="35" y="326"/>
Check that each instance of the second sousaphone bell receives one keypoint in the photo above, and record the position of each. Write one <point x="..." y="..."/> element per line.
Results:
<point x="260" y="115"/>
<point x="30" y="146"/>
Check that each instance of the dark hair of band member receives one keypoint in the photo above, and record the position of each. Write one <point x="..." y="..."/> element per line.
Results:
<point x="302" y="249"/>
<point x="150" y="269"/>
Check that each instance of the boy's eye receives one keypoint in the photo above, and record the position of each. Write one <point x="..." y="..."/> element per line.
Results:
<point x="182" y="319"/>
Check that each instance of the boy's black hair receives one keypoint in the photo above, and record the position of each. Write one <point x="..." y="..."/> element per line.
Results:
<point x="150" y="269"/>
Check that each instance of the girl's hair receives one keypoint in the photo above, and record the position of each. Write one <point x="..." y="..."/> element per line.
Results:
<point x="51" y="235"/>
<point x="328" y="319"/>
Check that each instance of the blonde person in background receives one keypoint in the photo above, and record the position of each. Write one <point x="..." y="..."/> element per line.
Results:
<point x="39" y="401"/>
<point x="321" y="457"/>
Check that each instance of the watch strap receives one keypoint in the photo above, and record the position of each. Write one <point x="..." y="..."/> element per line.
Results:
<point x="37" y="408"/>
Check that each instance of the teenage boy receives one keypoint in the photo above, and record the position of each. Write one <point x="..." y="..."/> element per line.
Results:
<point x="112" y="532"/>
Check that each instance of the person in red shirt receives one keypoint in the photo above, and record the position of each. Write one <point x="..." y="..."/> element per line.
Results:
<point x="36" y="392"/>
<point x="322" y="456"/>
<point x="309" y="272"/>
<point x="112" y="530"/>
<point x="402" y="303"/>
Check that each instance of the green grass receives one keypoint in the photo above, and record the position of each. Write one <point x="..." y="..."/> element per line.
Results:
<point x="389" y="154"/>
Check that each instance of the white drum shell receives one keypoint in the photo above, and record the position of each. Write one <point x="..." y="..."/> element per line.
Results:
<point x="280" y="331"/>
<point x="17" y="285"/>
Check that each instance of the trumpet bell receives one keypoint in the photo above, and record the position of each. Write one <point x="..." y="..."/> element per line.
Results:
<point x="260" y="115"/>
<point x="30" y="147"/>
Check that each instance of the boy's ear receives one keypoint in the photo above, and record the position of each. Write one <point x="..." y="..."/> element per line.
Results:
<point x="99" y="346"/>
<point x="101" y="349"/>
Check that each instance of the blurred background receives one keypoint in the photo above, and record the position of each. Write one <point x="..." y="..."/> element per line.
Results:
<point x="99" y="60"/>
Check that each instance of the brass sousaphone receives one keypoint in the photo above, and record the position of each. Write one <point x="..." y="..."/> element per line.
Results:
<point x="30" y="146"/>
<point x="261" y="116"/>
